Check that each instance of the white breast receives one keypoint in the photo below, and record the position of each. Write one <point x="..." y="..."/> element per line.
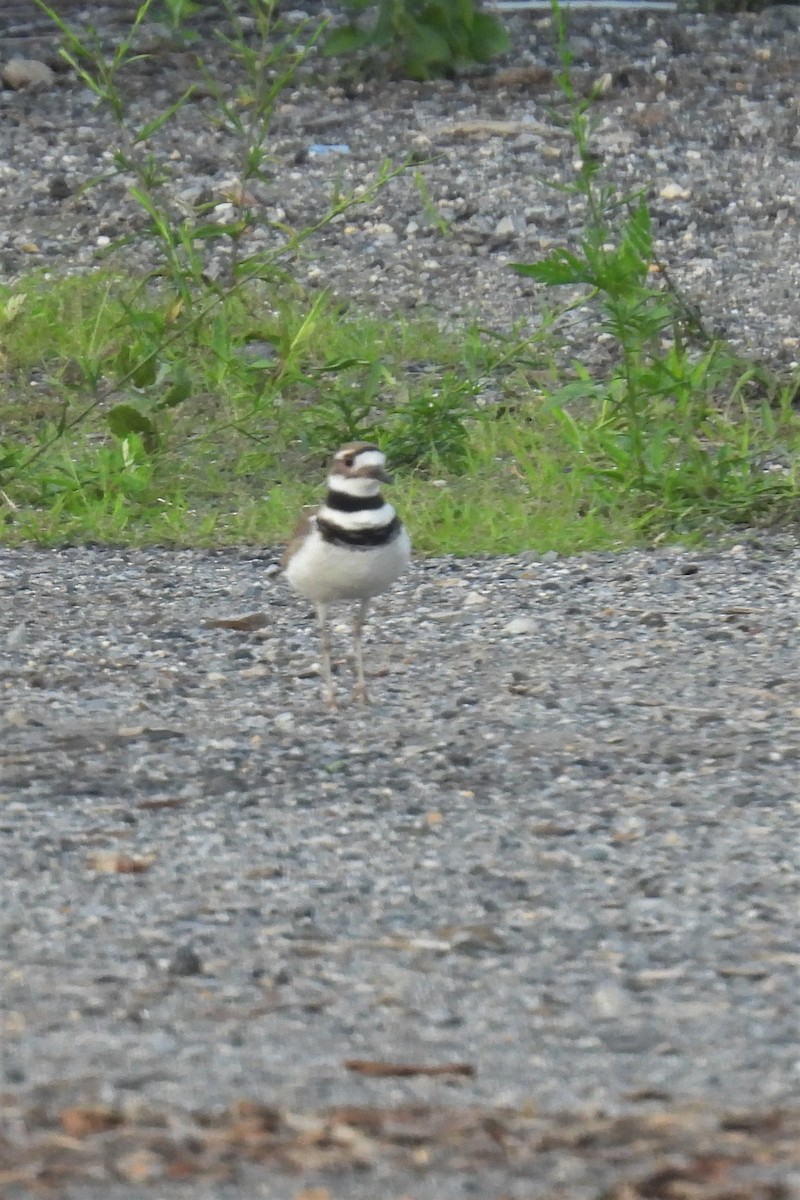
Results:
<point x="325" y="573"/>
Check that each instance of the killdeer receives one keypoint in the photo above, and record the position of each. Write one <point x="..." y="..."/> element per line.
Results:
<point x="350" y="548"/>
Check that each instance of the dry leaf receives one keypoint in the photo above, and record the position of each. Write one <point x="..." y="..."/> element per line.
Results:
<point x="155" y="805"/>
<point x="511" y="77"/>
<point x="481" y="128"/>
<point x="245" y="623"/>
<point x="365" y="1066"/>
<point x="112" y="863"/>
<point x="142" y="1166"/>
<point x="689" y="1153"/>
<point x="80" y="1122"/>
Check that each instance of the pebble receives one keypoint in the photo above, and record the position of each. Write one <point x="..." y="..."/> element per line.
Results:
<point x="59" y="188"/>
<point x="22" y="74"/>
<point x="384" y="232"/>
<point x="505" y="227"/>
<point x="475" y="600"/>
<point x="674" y="191"/>
<point x="140" y="1167"/>
<point x="185" y="961"/>
<point x="520" y="625"/>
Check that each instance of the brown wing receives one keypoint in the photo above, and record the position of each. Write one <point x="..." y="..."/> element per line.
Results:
<point x="301" y="532"/>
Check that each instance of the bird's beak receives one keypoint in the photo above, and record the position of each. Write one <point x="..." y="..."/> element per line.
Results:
<point x="383" y="475"/>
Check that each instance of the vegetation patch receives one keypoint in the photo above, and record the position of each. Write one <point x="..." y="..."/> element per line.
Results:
<point x="199" y="407"/>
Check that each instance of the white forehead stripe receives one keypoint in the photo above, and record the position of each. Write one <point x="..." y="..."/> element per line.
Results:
<point x="369" y="458"/>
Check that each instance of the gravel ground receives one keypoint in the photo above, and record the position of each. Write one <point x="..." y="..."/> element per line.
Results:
<point x="559" y="851"/>
<point x="701" y="111"/>
<point x="559" y="848"/>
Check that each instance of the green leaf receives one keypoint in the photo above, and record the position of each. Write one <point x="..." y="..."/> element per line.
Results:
<point x="261" y="364"/>
<point x="426" y="52"/>
<point x="13" y="307"/>
<point x="487" y="38"/>
<point x="570" y="393"/>
<point x="180" y="390"/>
<point x="144" y="374"/>
<point x="151" y="127"/>
<point x="341" y="364"/>
<point x="464" y="12"/>
<point x="124" y="419"/>
<point x="141" y="372"/>
<point x="438" y="15"/>
<point x="211" y="231"/>
<point x="639" y="231"/>
<point x="345" y="41"/>
<point x="560" y="267"/>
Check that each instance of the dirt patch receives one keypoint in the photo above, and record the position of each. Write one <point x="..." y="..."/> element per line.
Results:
<point x="663" y="1155"/>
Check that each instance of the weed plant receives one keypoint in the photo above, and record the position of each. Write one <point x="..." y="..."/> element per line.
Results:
<point x="189" y="242"/>
<point x="674" y="424"/>
<point x="417" y="39"/>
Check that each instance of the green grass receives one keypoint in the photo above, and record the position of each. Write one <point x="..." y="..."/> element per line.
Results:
<point x="267" y="387"/>
<point x="170" y="409"/>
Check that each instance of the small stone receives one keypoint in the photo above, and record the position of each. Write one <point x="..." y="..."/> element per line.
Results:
<point x="475" y="600"/>
<point x="674" y="191"/>
<point x="16" y="636"/>
<point x="610" y="1001"/>
<point x="521" y="625"/>
<point x="59" y="188"/>
<point x="479" y="940"/>
<point x="141" y="1166"/>
<point x="384" y="232"/>
<point x="506" y="227"/>
<point x="185" y="961"/>
<point x="21" y="73"/>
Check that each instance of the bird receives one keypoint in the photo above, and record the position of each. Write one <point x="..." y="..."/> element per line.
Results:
<point x="352" y="547"/>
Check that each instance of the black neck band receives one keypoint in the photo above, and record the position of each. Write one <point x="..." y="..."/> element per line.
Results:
<point x="344" y="502"/>
<point x="359" y="539"/>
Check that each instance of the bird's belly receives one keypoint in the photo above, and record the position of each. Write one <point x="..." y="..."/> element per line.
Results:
<point x="325" y="573"/>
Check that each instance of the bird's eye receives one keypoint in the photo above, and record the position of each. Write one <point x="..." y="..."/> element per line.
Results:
<point x="348" y="462"/>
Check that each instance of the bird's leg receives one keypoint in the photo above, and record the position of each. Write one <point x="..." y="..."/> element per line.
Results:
<point x="325" y="638"/>
<point x="360" y="690"/>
